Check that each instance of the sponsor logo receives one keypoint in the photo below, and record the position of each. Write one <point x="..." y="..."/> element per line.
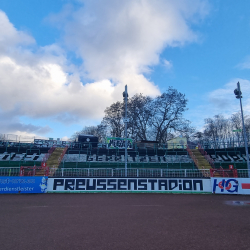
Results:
<point x="226" y="185"/>
<point x="43" y="185"/>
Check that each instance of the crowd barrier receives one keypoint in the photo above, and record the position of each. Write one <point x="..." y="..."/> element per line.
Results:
<point x="117" y="180"/>
<point x="120" y="172"/>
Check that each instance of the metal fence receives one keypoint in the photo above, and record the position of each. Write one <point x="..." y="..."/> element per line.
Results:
<point x="233" y="142"/>
<point x="120" y="172"/>
<point x="109" y="172"/>
<point x="10" y="171"/>
<point x="243" y="173"/>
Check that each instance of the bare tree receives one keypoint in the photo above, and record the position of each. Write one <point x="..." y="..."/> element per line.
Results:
<point x="217" y="129"/>
<point x="140" y="114"/>
<point x="158" y="119"/>
<point x="113" y="119"/>
<point x="223" y="131"/>
<point x="167" y="118"/>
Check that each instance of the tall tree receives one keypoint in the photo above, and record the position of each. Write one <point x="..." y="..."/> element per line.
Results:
<point x="140" y="114"/>
<point x="113" y="119"/>
<point x="167" y="118"/>
<point x="159" y="118"/>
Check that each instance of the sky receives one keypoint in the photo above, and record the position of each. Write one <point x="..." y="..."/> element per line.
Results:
<point x="62" y="62"/>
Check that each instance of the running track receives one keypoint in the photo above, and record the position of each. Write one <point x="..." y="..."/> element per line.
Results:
<point x="123" y="221"/>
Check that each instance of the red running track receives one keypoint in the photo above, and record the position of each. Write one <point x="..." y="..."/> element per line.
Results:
<point x="123" y="221"/>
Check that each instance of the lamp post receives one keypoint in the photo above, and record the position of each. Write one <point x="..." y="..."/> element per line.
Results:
<point x="238" y="93"/>
<point x="125" y="98"/>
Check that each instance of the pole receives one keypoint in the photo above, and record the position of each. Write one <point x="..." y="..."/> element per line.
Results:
<point x="126" y="142"/>
<point x="244" y="130"/>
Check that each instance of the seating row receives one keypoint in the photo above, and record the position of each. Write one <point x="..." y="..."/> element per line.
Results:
<point x="114" y="158"/>
<point x="21" y="157"/>
<point x="228" y="157"/>
<point x="217" y="157"/>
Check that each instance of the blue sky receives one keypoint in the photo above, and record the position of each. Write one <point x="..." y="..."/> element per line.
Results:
<point x="62" y="62"/>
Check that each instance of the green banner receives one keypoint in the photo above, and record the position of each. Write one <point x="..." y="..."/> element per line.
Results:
<point x="117" y="142"/>
<point x="237" y="130"/>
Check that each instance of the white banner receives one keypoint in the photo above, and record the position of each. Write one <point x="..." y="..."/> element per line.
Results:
<point x="230" y="185"/>
<point x="128" y="185"/>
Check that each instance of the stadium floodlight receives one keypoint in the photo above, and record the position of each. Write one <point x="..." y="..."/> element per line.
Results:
<point x="125" y="98"/>
<point x="238" y="95"/>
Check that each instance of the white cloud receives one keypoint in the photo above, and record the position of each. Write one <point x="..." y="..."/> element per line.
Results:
<point x="245" y="64"/>
<point x="10" y="37"/>
<point x="167" y="64"/>
<point x="118" y="42"/>
<point x="221" y="101"/>
<point x="126" y="36"/>
<point x="10" y="123"/>
<point x="224" y="99"/>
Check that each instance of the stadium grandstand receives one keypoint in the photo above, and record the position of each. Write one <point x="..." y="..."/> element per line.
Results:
<point x="90" y="158"/>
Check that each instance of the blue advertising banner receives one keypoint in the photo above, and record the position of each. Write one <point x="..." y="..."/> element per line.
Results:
<point x="15" y="185"/>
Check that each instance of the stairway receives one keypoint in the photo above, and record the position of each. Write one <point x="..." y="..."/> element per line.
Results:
<point x="202" y="162"/>
<point x="53" y="161"/>
<point x="40" y="172"/>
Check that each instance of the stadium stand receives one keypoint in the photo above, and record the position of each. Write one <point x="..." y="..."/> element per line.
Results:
<point x="77" y="157"/>
<point x="222" y="158"/>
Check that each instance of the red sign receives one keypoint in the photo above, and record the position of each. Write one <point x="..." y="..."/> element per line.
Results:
<point x="231" y="166"/>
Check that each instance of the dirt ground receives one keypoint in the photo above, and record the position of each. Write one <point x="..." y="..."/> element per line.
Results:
<point x="124" y="221"/>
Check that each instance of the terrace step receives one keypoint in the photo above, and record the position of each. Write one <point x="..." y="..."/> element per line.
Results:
<point x="202" y="162"/>
<point x="53" y="161"/>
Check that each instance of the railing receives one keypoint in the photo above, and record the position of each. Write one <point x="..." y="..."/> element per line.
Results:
<point x="62" y="155"/>
<point x="46" y="157"/>
<point x="120" y="172"/>
<point x="224" y="173"/>
<point x="109" y="172"/>
<point x="11" y="171"/>
<point x="192" y="156"/>
<point x="233" y="142"/>
<point x="207" y="157"/>
<point x="33" y="170"/>
<point x="243" y="173"/>
<point x="216" y="143"/>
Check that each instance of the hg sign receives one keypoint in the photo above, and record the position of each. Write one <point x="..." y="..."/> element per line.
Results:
<point x="225" y="185"/>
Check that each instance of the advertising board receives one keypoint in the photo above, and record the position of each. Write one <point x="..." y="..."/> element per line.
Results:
<point x="20" y="184"/>
<point x="129" y="185"/>
<point x="230" y="185"/>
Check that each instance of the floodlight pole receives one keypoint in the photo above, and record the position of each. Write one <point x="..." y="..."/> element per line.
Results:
<point x="238" y="96"/>
<point x="125" y="95"/>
